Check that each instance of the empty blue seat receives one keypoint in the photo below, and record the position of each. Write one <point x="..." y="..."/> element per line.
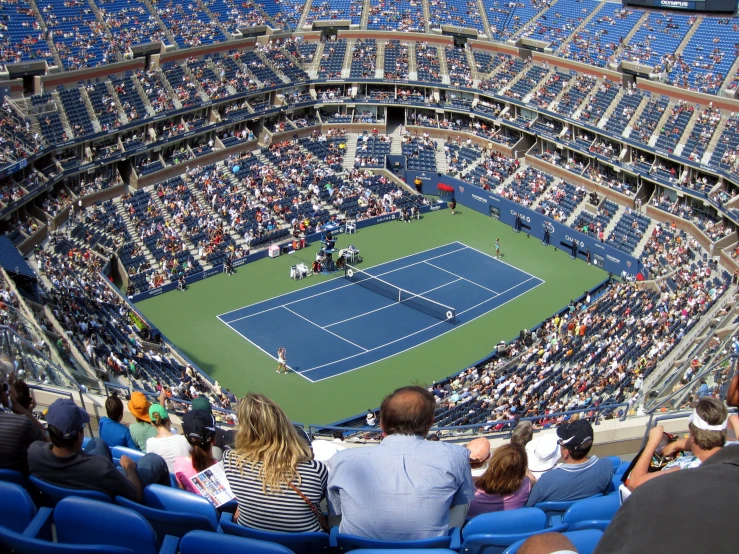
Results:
<point x="17" y="509"/>
<point x="176" y="500"/>
<point x="592" y="513"/>
<point x="555" y="510"/>
<point x="299" y="543"/>
<point x="492" y="533"/>
<point x="10" y="476"/>
<point x="11" y="541"/>
<point x="584" y="541"/>
<point x="198" y="542"/>
<point x="52" y="494"/>
<point x="85" y="521"/>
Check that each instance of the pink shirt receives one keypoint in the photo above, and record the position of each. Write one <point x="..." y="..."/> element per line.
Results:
<point x="483" y="502"/>
<point x="183" y="470"/>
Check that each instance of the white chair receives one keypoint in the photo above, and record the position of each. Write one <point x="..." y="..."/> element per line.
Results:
<point x="294" y="272"/>
<point x="351" y="227"/>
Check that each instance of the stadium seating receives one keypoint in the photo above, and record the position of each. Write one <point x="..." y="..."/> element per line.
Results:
<point x="51" y="495"/>
<point x="493" y="532"/>
<point x="592" y="513"/>
<point x="349" y="542"/>
<point x="17" y="509"/>
<point x="584" y="541"/>
<point x="197" y="542"/>
<point x="10" y="476"/>
<point x="507" y="18"/>
<point x="598" y="40"/>
<point x="298" y="543"/>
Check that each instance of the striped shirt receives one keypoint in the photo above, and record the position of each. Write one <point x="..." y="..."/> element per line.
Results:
<point x="282" y="512"/>
<point x="17" y="433"/>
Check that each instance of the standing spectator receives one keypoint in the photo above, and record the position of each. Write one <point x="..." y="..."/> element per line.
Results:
<point x="379" y="491"/>
<point x="65" y="464"/>
<point x="18" y="433"/>
<point x="505" y="485"/>
<point x="199" y="428"/>
<point x="142" y="430"/>
<point x="112" y="431"/>
<point x="272" y="472"/>
<point x="165" y="443"/>
<point x="580" y="475"/>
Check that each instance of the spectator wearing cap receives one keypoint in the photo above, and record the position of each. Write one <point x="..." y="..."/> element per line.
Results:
<point x="199" y="428"/>
<point x="142" y="430"/>
<point x="542" y="453"/>
<point x="504" y="485"/>
<point x="65" y="464"/>
<point x="707" y="435"/>
<point x="224" y="438"/>
<point x="479" y="455"/>
<point x="165" y="443"/>
<point x="580" y="475"/>
<point x="112" y="431"/>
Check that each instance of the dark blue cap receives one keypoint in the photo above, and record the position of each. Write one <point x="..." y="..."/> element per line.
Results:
<point x="67" y="417"/>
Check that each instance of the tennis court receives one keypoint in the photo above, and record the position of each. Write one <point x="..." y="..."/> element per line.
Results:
<point x="374" y="313"/>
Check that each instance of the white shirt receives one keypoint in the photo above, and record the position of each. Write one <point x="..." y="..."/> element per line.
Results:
<point x="168" y="448"/>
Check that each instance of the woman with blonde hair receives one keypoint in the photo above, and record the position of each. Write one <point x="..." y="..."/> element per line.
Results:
<point x="504" y="486"/>
<point x="272" y="472"/>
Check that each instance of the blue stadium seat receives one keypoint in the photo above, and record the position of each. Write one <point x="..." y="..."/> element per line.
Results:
<point x="51" y="495"/>
<point x="592" y="513"/>
<point x="494" y="532"/>
<point x="10" y="476"/>
<point x="85" y="521"/>
<point x="555" y="510"/>
<point x="352" y="542"/>
<point x="197" y="542"/>
<point x="177" y="500"/>
<point x="299" y="543"/>
<point x="17" y="542"/>
<point x="118" y="451"/>
<point x="584" y="541"/>
<point x="17" y="509"/>
<point x="615" y="460"/>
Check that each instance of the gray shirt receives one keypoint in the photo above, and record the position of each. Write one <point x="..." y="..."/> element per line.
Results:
<point x="400" y="490"/>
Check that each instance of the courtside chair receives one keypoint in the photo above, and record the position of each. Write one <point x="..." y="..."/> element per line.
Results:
<point x="592" y="513"/>
<point x="584" y="541"/>
<point x="51" y="495"/>
<point x="202" y="542"/>
<point x="11" y="476"/>
<point x="84" y="521"/>
<point x="18" y="512"/>
<point x="555" y="510"/>
<point x="493" y="532"/>
<point x="350" y="542"/>
<point x="299" y="543"/>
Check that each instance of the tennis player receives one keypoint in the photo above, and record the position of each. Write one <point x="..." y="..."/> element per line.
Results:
<point x="497" y="248"/>
<point x="281" y="360"/>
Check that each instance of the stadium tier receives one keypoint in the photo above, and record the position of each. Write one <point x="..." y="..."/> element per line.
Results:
<point x="319" y="202"/>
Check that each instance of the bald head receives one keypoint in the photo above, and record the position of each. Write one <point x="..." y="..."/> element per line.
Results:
<point x="408" y="411"/>
<point x="547" y="543"/>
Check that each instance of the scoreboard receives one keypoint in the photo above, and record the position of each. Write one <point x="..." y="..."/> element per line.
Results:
<point x="723" y="6"/>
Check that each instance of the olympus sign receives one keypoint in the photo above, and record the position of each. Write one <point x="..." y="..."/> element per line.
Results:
<point x="580" y="243"/>
<point x="674" y="4"/>
<point x="479" y="198"/>
<point x="523" y="217"/>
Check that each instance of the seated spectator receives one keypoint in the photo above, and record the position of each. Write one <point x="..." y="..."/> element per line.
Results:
<point x="542" y="453"/>
<point x="479" y="455"/>
<point x="522" y="433"/>
<point x="165" y="443"/>
<point x="707" y="435"/>
<point x="580" y="475"/>
<point x="224" y="438"/>
<point x="199" y="428"/>
<point x="324" y="450"/>
<point x="142" y="430"/>
<point x="272" y="472"/>
<point x="547" y="543"/>
<point x="112" y="431"/>
<point x="65" y="464"/>
<point x="379" y="491"/>
<point x="18" y="433"/>
<point x="505" y="485"/>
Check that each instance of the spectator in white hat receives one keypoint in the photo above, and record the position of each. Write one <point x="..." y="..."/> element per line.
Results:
<point x="543" y="453"/>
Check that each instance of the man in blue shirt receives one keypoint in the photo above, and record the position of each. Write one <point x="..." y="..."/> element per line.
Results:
<point x="112" y="431"/>
<point x="404" y="488"/>
<point x="580" y="476"/>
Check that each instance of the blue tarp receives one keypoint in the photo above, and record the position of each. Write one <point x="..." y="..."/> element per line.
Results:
<point x="12" y="261"/>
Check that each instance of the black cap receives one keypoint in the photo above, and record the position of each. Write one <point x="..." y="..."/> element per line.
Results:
<point x="575" y="435"/>
<point x="199" y="426"/>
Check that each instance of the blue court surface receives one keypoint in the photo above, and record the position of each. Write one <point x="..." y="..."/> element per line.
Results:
<point x="338" y="326"/>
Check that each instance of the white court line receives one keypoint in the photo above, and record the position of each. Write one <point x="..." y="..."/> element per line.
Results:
<point x="464" y="279"/>
<point x="243" y="336"/>
<point x="421" y="331"/>
<point x="333" y="289"/>
<point x="371" y="267"/>
<point x="501" y="261"/>
<point x="393" y="304"/>
<point x="324" y="329"/>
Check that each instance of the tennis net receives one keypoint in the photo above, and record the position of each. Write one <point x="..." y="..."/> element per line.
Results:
<point x="415" y="301"/>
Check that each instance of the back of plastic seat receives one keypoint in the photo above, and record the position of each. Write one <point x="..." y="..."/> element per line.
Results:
<point x="11" y="541"/>
<point x="178" y="500"/>
<point x="299" y="543"/>
<point x="16" y="509"/>
<point x="52" y="494"/>
<point x="198" y="542"/>
<point x="10" y="476"/>
<point x="584" y="541"/>
<point x="169" y="522"/>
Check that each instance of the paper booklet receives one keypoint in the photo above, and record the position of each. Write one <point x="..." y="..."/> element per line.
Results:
<point x="213" y="485"/>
